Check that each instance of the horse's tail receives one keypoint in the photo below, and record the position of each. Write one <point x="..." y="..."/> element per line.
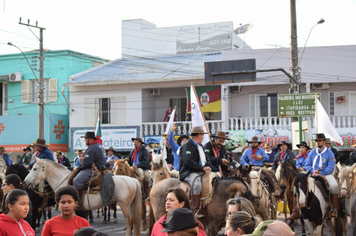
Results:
<point x="136" y="209"/>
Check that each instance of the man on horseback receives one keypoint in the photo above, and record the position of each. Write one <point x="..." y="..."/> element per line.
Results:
<point x="302" y="157"/>
<point x="139" y="159"/>
<point x="5" y="157"/>
<point x="254" y="156"/>
<point x="193" y="164"/>
<point x="111" y="158"/>
<point x="93" y="155"/>
<point x="42" y="151"/>
<point x="284" y="154"/>
<point x="321" y="161"/>
<point x="220" y="156"/>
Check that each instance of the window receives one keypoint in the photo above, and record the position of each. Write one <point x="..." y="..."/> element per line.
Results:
<point x="35" y="91"/>
<point x="263" y="106"/>
<point x="345" y="106"/>
<point x="105" y="108"/>
<point x="30" y="91"/>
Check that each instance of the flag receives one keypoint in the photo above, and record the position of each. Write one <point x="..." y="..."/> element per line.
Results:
<point x="197" y="118"/>
<point x="324" y="125"/>
<point x="98" y="128"/>
<point x="170" y="122"/>
<point x="209" y="97"/>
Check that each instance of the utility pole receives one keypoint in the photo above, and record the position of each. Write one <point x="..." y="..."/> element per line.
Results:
<point x="294" y="62"/>
<point x="40" y="81"/>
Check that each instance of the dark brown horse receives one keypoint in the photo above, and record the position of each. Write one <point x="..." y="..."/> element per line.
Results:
<point x="215" y="212"/>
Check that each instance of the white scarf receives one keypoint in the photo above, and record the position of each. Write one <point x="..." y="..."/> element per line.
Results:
<point x="202" y="155"/>
<point x="318" y="156"/>
<point x="270" y="151"/>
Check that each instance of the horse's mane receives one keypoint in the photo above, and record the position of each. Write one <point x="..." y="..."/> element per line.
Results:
<point x="300" y="177"/>
<point x="230" y="180"/>
<point x="266" y="175"/>
<point x="254" y="174"/>
<point x="17" y="169"/>
<point x="285" y="168"/>
<point x="55" y="164"/>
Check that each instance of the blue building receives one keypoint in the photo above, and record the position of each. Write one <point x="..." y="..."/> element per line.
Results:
<point x="19" y="97"/>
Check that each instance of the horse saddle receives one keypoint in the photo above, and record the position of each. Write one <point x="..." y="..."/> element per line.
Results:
<point x="208" y="183"/>
<point x="323" y="186"/>
<point x="93" y="184"/>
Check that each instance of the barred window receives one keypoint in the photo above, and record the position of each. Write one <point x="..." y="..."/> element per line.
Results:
<point x="105" y="110"/>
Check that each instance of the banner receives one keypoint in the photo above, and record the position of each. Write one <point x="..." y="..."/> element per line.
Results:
<point x="170" y="122"/>
<point x="324" y="125"/>
<point x="209" y="98"/>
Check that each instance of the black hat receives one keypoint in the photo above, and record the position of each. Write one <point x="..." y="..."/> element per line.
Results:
<point x="27" y="148"/>
<point x="180" y="139"/>
<point x="303" y="144"/>
<point x="138" y="139"/>
<point x="320" y="137"/>
<point x="179" y="219"/>
<point x="89" y="134"/>
<point x="283" y="142"/>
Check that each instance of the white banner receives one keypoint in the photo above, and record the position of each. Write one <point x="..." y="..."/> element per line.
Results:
<point x="170" y="122"/>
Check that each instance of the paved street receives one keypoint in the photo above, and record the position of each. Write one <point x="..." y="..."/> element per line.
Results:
<point x="118" y="229"/>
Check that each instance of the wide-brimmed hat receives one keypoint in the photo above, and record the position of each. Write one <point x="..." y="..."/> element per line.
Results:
<point x="111" y="149"/>
<point x="59" y="153"/>
<point x="40" y="142"/>
<point x="180" y="139"/>
<point x="27" y="148"/>
<point x="220" y="134"/>
<point x="198" y="130"/>
<point x="320" y="137"/>
<point x="179" y="219"/>
<point x="283" y="142"/>
<point x="2" y="149"/>
<point x="254" y="139"/>
<point x="138" y="139"/>
<point x="328" y="140"/>
<point x="165" y="136"/>
<point x="303" y="144"/>
<point x="79" y="151"/>
<point x="89" y="134"/>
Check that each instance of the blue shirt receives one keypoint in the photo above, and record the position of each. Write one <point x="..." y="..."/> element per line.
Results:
<point x="174" y="147"/>
<point x="135" y="163"/>
<point x="270" y="157"/>
<point x="301" y="160"/>
<point x="114" y="158"/>
<point x="44" y="154"/>
<point x="76" y="164"/>
<point x="246" y="157"/>
<point x="328" y="162"/>
<point x="6" y="158"/>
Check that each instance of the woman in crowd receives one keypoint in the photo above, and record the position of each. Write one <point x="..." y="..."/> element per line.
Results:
<point x="241" y="204"/>
<point x="66" y="223"/>
<point x="17" y="207"/>
<point x="176" y="198"/>
<point x="240" y="223"/>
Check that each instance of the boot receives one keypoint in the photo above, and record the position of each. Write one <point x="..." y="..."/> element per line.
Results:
<point x="335" y="201"/>
<point x="80" y="204"/>
<point x="145" y="192"/>
<point x="295" y="213"/>
<point x="196" y="201"/>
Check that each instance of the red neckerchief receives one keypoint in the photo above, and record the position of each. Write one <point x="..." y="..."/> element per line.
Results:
<point x="253" y="153"/>
<point x="134" y="155"/>
<point x="282" y="155"/>
<point x="302" y="155"/>
<point x="95" y="141"/>
<point x="217" y="151"/>
<point x="61" y="161"/>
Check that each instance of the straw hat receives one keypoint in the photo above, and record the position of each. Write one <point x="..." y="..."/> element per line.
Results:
<point x="2" y="149"/>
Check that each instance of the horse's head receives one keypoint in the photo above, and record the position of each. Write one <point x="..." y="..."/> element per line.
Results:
<point x="301" y="188"/>
<point x="244" y="173"/>
<point x="120" y="167"/>
<point x="287" y="173"/>
<point x="159" y="172"/>
<point x="345" y="179"/>
<point x="255" y="185"/>
<point x="37" y="173"/>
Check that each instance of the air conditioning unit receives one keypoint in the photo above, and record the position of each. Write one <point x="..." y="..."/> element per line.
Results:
<point x="155" y="92"/>
<point x="15" y="77"/>
<point x="321" y="86"/>
<point x="235" y="89"/>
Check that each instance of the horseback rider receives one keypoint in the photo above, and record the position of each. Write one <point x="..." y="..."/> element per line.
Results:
<point x="302" y="157"/>
<point x="254" y="156"/>
<point x="220" y="158"/>
<point x="321" y="161"/>
<point x="139" y="159"/>
<point x="42" y="151"/>
<point x="5" y="157"/>
<point x="93" y="155"/>
<point x="284" y="154"/>
<point x="193" y="164"/>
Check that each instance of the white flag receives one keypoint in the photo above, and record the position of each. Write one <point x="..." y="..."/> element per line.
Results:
<point x="324" y="124"/>
<point x="170" y="122"/>
<point x="197" y="118"/>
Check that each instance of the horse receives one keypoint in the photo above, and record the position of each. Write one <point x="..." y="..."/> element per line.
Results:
<point x="347" y="185"/>
<point x="122" y="167"/>
<point x="215" y="212"/>
<point x="127" y="191"/>
<point x="313" y="202"/>
<point x="353" y="213"/>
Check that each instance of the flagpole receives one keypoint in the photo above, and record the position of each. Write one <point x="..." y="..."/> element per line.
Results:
<point x="202" y="115"/>
<point x="96" y="120"/>
<point x="316" y="112"/>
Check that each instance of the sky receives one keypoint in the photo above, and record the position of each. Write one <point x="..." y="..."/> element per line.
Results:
<point x="94" y="27"/>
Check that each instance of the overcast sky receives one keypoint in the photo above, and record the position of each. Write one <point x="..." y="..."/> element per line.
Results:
<point x="94" y="27"/>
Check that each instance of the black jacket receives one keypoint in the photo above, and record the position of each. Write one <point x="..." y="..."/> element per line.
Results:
<point x="66" y="162"/>
<point x="94" y="155"/>
<point x="189" y="160"/>
<point x="352" y="158"/>
<point x="337" y="156"/>
<point x="143" y="158"/>
<point x="288" y="156"/>
<point x="215" y="161"/>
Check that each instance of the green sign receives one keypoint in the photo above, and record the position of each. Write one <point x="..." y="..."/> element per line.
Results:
<point x="300" y="104"/>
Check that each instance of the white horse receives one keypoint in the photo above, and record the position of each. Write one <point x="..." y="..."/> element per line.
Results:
<point x="127" y="191"/>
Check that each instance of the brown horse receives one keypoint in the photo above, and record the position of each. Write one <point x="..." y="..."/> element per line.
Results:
<point x="215" y="212"/>
<point x="159" y="172"/>
<point x="122" y="167"/>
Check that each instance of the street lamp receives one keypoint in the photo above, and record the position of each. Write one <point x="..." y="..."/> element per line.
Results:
<point x="13" y="103"/>
<point x="321" y="21"/>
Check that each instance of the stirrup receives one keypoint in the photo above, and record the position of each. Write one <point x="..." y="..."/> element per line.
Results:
<point x="337" y="214"/>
